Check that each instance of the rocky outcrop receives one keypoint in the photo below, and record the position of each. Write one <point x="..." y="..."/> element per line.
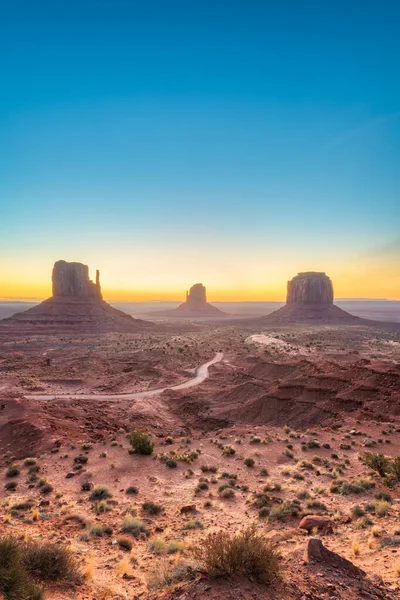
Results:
<point x="316" y="552"/>
<point x="310" y="288"/>
<point x="196" y="296"/>
<point x="195" y="306"/>
<point x="76" y="306"/>
<point x="310" y="299"/>
<point x="71" y="280"/>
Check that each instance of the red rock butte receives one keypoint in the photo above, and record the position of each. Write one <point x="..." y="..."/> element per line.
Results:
<point x="310" y="299"/>
<point x="195" y="306"/>
<point x="76" y="305"/>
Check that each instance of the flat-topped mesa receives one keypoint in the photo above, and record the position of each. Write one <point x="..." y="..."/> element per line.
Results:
<point x="196" y="297"/>
<point x="310" y="288"/>
<point x="71" y="280"/>
<point x="309" y="299"/>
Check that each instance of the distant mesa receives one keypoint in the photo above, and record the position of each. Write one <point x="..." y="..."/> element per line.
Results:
<point x="195" y="306"/>
<point x="76" y="305"/>
<point x="310" y="299"/>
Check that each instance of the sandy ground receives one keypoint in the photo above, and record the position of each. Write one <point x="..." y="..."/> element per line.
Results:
<point x="334" y="390"/>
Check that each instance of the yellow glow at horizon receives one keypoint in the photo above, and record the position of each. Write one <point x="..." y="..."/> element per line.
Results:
<point x="230" y="279"/>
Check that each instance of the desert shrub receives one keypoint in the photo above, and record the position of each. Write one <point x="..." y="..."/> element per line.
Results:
<point x="100" y="507"/>
<point x="303" y="495"/>
<point x="12" y="471"/>
<point x="157" y="546"/>
<point x="228" y="450"/>
<point x="47" y="488"/>
<point x="263" y="513"/>
<point x="152" y="508"/>
<point x="141" y="443"/>
<point x="383" y="496"/>
<point x="134" y="526"/>
<point x="163" y="573"/>
<point x="363" y="523"/>
<point x="201" y="487"/>
<point x="24" y="505"/>
<point x="124" y="542"/>
<point x="227" y="493"/>
<point x="357" y="511"/>
<point x="10" y="486"/>
<point x="381" y="508"/>
<point x="81" y="459"/>
<point x="207" y="468"/>
<point x="29" y="462"/>
<point x="255" y="439"/>
<point x="86" y="485"/>
<point x="131" y="490"/>
<point x="193" y="525"/>
<point x="171" y="463"/>
<point x="315" y="505"/>
<point x="49" y="562"/>
<point x="175" y="546"/>
<point x="100" y="492"/>
<point x="246" y="553"/>
<point x="355" y="487"/>
<point x="280" y="512"/>
<point x="249" y="462"/>
<point x="15" y="583"/>
<point x="377" y="462"/>
<point x="390" y="541"/>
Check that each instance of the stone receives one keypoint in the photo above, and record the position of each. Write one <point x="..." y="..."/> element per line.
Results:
<point x="195" y="305"/>
<point x="188" y="508"/>
<point x="310" y="299"/>
<point x="315" y="552"/>
<point x="75" y="306"/>
<point x="311" y="522"/>
<point x="310" y="288"/>
<point x="71" y="280"/>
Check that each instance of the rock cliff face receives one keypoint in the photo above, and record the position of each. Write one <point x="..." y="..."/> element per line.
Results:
<point x="196" y="296"/>
<point x="310" y="288"/>
<point x="310" y="299"/>
<point x="195" y="307"/>
<point x="71" y="280"/>
<point x="76" y="306"/>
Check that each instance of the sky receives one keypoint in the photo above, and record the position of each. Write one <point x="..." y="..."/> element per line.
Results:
<point x="168" y="142"/>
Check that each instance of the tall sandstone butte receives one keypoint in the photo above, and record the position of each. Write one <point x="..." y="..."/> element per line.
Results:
<point x="310" y="299"/>
<point x="195" y="306"/>
<point x="76" y="305"/>
<point x="71" y="280"/>
<point x="310" y="288"/>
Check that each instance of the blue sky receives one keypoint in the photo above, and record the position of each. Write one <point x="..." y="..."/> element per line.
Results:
<point x="173" y="141"/>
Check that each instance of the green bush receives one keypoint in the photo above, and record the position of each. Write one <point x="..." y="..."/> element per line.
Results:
<point x="141" y="443"/>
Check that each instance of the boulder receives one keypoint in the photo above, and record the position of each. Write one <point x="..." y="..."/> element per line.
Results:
<point x="318" y="522"/>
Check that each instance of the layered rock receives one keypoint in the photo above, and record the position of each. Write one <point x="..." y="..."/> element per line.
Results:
<point x="310" y="288"/>
<point x="195" y="306"/>
<point x="310" y="299"/>
<point x="76" y="305"/>
<point x="71" y="280"/>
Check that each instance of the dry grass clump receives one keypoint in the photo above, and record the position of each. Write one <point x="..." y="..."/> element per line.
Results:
<point x="246" y="553"/>
<point x="355" y="547"/>
<point x="22" y="564"/>
<point x="134" y="527"/>
<point x="49" y="562"/>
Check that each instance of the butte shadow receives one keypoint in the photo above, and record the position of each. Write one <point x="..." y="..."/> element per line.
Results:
<point x="76" y="305"/>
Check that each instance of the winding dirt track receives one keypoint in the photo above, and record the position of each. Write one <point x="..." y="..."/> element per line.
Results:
<point x="201" y="375"/>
